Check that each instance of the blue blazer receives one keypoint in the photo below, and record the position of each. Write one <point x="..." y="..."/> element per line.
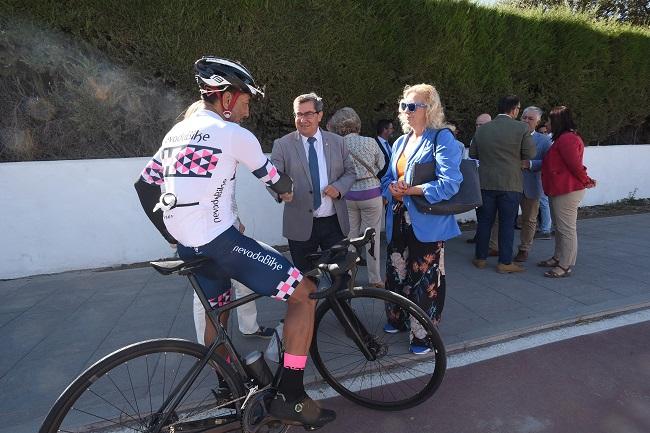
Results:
<point x="426" y="227"/>
<point x="533" y="178"/>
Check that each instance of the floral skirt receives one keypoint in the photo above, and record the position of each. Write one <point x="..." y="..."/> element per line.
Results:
<point x="415" y="270"/>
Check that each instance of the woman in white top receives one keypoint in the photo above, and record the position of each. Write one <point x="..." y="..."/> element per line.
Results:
<point x="364" y="201"/>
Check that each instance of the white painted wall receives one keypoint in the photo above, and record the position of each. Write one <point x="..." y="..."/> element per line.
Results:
<point x="66" y="215"/>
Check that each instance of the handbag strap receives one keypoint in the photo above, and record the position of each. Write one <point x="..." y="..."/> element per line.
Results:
<point x="360" y="161"/>
<point x="435" y="145"/>
<point x="435" y="139"/>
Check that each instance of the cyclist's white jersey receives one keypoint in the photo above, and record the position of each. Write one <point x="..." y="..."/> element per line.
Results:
<point x="197" y="163"/>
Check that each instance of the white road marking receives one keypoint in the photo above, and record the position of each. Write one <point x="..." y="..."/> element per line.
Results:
<point x="545" y="337"/>
<point x="323" y="391"/>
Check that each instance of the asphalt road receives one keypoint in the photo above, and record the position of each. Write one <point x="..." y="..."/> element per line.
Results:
<point x="592" y="383"/>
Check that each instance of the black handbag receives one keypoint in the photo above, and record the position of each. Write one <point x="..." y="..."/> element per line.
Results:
<point x="468" y="196"/>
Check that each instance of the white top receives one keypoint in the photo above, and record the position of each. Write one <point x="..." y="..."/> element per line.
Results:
<point x="385" y="144"/>
<point x="197" y="163"/>
<point x="326" y="207"/>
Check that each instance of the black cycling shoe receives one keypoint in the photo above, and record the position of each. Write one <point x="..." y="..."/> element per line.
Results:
<point x="304" y="412"/>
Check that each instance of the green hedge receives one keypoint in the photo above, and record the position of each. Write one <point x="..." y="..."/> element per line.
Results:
<point x="362" y="53"/>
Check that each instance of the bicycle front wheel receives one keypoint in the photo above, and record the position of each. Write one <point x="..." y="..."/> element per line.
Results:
<point x="387" y="376"/>
<point x="127" y="390"/>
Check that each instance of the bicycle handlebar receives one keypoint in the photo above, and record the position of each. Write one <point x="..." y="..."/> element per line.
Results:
<point x="338" y="260"/>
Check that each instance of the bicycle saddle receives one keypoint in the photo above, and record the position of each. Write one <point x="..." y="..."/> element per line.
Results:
<point x="180" y="266"/>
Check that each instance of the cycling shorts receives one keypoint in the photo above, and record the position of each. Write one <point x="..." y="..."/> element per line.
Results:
<point x="254" y="264"/>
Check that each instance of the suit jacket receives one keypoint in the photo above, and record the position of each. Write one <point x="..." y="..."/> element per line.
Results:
<point x="382" y="172"/>
<point x="500" y="146"/>
<point x="533" y="176"/>
<point x="289" y="156"/>
<point x="562" y="169"/>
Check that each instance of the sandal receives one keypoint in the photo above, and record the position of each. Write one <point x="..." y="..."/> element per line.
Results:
<point x="555" y="273"/>
<point x="549" y="263"/>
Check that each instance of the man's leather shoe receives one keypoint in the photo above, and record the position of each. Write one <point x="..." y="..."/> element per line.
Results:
<point x="479" y="263"/>
<point x="493" y="253"/>
<point x="509" y="268"/>
<point x="521" y="256"/>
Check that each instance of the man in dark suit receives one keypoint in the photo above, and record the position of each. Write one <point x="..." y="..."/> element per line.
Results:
<point x="384" y="130"/>
<point x="500" y="146"/>
<point x="315" y="214"/>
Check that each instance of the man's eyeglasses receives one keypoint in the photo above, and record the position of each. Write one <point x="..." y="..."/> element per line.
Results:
<point x="307" y="115"/>
<point x="528" y="118"/>
<point x="411" y="106"/>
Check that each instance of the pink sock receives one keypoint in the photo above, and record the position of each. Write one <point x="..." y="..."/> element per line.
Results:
<point x="295" y="362"/>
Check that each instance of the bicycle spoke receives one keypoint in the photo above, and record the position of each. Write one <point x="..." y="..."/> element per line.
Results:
<point x="146" y="360"/>
<point x="178" y="368"/>
<point x="120" y="391"/>
<point x="105" y="419"/>
<point x="164" y="375"/>
<point x="112" y="405"/>
<point x="135" y="400"/>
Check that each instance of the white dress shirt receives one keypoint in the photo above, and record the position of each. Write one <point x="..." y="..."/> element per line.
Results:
<point x="386" y="145"/>
<point x="326" y="207"/>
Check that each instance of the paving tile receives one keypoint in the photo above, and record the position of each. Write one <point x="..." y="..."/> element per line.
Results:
<point x="6" y="318"/>
<point x="596" y="297"/>
<point x="19" y="304"/>
<point x="21" y="335"/>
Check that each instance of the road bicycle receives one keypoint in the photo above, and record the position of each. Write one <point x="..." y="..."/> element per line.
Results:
<point x="172" y="385"/>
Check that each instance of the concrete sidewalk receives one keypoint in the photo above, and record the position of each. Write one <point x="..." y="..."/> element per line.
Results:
<point x="54" y="326"/>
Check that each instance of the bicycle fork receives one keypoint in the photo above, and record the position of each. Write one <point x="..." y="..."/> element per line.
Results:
<point x="354" y="329"/>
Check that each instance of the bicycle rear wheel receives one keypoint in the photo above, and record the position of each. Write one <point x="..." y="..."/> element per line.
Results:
<point x="125" y="391"/>
<point x="395" y="379"/>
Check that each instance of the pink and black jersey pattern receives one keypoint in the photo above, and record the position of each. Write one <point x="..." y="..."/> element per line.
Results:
<point x="153" y="173"/>
<point x="267" y="173"/>
<point x="190" y="161"/>
<point x="285" y="288"/>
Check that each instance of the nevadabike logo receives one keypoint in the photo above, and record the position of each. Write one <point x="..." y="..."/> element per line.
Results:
<point x="265" y="259"/>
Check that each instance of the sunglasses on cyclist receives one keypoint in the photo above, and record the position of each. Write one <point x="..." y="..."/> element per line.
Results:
<point x="411" y="106"/>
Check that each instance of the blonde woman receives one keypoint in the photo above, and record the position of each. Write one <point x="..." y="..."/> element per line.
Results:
<point x="364" y="200"/>
<point x="416" y="241"/>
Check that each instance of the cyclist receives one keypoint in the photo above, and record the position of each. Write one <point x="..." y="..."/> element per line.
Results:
<point x="196" y="166"/>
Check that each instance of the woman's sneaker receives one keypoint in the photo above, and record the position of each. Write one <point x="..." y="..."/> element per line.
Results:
<point x="304" y="412"/>
<point x="419" y="347"/>
<point x="262" y="332"/>
<point x="390" y="329"/>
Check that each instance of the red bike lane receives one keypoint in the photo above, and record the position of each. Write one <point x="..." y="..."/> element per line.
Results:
<point x="592" y="383"/>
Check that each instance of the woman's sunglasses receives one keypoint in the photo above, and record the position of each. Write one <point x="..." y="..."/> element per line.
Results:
<point x="411" y="106"/>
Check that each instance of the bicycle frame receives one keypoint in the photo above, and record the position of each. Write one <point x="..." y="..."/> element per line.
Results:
<point x="342" y="311"/>
<point x="222" y="339"/>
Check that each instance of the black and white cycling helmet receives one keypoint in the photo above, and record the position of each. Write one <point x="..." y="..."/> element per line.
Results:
<point x="216" y="74"/>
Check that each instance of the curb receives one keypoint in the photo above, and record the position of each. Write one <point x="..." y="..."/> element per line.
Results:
<point x="457" y="348"/>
